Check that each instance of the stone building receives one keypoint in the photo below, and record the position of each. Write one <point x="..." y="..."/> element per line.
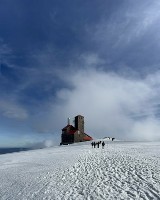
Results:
<point x="72" y="134"/>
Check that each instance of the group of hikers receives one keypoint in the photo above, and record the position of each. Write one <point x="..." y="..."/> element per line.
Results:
<point x="96" y="144"/>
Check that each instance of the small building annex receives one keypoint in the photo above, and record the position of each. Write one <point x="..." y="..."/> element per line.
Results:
<point x="72" y="134"/>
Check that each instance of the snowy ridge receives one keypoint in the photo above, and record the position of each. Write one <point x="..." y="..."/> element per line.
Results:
<point x="123" y="170"/>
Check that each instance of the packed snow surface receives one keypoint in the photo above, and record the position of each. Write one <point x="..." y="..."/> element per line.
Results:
<point x="122" y="170"/>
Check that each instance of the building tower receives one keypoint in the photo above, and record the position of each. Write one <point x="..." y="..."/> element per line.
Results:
<point x="79" y="123"/>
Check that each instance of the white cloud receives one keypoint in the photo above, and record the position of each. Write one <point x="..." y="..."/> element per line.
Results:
<point x="11" y="109"/>
<point x="91" y="60"/>
<point x="41" y="144"/>
<point x="125" y="26"/>
<point x="111" y="104"/>
<point x="4" y="48"/>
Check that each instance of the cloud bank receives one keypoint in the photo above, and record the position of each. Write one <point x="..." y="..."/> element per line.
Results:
<point x="113" y="105"/>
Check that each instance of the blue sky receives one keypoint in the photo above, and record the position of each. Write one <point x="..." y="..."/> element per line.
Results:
<point x="96" y="58"/>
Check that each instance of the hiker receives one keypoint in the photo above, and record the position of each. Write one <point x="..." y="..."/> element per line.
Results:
<point x="98" y="144"/>
<point x="92" y="144"/>
<point x="103" y="144"/>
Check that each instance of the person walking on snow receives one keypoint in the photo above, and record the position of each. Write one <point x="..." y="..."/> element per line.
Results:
<point x="92" y="144"/>
<point x="98" y="144"/>
<point x="103" y="144"/>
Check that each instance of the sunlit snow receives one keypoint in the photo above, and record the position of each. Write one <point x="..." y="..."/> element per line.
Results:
<point x="122" y="170"/>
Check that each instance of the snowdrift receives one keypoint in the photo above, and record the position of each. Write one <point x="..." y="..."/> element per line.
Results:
<point x="123" y="170"/>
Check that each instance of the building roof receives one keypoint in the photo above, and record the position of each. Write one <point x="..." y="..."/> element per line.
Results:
<point x="87" y="137"/>
<point x="72" y="130"/>
<point x="67" y="127"/>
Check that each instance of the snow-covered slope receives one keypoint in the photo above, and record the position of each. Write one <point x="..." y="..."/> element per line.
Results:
<point x="123" y="170"/>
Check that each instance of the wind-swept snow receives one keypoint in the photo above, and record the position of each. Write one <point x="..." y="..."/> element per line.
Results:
<point x="123" y="170"/>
